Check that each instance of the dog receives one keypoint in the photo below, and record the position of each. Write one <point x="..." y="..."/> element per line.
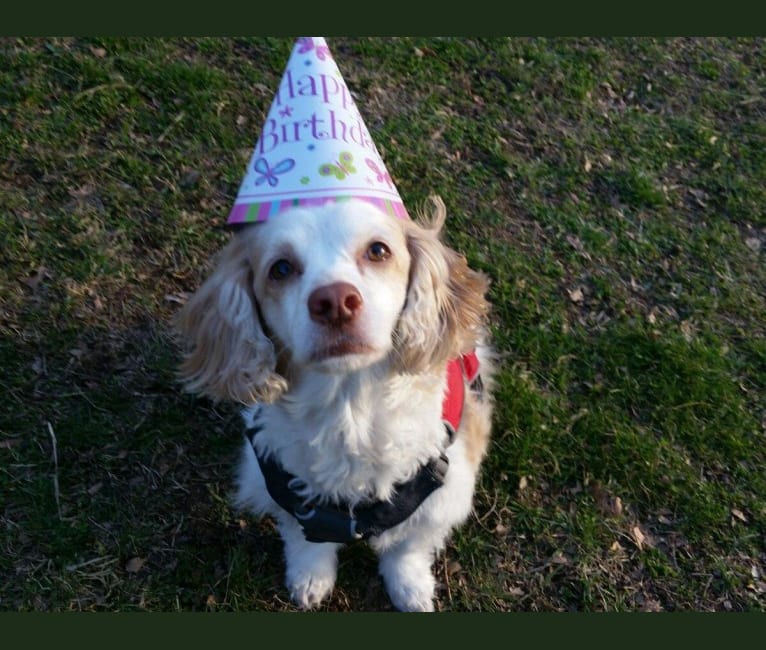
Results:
<point x="347" y="334"/>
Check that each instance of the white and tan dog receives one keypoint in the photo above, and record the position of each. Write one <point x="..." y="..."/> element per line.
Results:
<point x="335" y="326"/>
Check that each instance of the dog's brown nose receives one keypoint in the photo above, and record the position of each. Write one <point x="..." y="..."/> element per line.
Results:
<point x="335" y="304"/>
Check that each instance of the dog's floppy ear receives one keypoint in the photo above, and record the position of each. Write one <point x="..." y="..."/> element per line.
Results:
<point x="228" y="355"/>
<point x="446" y="304"/>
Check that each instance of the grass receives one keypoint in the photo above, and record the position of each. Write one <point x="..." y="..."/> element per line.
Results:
<point x="611" y="188"/>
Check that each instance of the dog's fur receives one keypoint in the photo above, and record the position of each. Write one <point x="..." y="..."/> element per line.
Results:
<point x="338" y="346"/>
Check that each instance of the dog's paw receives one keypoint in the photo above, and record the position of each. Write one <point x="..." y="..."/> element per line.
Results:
<point x="310" y="568"/>
<point x="413" y="597"/>
<point x="309" y="589"/>
<point x="409" y="581"/>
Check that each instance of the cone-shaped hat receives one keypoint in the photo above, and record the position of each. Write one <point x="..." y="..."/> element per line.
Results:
<point x="314" y="146"/>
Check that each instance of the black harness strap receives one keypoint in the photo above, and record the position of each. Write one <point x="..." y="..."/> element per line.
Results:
<point x="340" y="523"/>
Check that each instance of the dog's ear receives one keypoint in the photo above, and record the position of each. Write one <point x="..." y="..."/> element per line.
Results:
<point x="228" y="356"/>
<point x="446" y="305"/>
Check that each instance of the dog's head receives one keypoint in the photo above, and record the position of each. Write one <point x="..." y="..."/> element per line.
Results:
<point x="333" y="289"/>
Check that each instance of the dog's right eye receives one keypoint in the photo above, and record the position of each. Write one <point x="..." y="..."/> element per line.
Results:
<point x="280" y="270"/>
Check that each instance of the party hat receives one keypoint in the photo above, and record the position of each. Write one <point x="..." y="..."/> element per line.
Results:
<point x="314" y="146"/>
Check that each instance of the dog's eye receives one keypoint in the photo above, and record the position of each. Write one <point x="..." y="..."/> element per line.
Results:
<point x="378" y="252"/>
<point x="280" y="270"/>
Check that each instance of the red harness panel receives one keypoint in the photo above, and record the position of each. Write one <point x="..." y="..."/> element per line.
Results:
<point x="459" y="371"/>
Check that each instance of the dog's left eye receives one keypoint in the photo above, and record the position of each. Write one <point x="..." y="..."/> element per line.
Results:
<point x="378" y="252"/>
<point x="280" y="270"/>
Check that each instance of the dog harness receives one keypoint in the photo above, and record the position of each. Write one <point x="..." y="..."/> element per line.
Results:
<point x="459" y="371"/>
<point x="340" y="523"/>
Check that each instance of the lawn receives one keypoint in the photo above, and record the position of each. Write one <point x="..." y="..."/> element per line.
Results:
<point x="612" y="189"/>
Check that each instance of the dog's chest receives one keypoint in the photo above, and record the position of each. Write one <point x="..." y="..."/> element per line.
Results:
<point x="359" y="445"/>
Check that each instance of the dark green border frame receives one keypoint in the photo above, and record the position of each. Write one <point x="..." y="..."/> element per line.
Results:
<point x="381" y="631"/>
<point x="140" y="17"/>
<point x="395" y="17"/>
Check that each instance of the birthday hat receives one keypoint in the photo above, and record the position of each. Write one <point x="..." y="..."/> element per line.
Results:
<point x="314" y="146"/>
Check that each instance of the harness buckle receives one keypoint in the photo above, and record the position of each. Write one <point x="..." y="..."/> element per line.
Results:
<point x="322" y="524"/>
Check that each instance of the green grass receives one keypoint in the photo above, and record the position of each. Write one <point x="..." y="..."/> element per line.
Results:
<point x="611" y="188"/>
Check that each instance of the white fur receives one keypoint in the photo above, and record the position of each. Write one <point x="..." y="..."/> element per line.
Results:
<point x="350" y="426"/>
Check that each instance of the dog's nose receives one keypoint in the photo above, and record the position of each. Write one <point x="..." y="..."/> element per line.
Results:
<point x="335" y="304"/>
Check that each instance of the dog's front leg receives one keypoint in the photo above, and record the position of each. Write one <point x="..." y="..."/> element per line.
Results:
<point x="311" y="567"/>
<point x="406" y="571"/>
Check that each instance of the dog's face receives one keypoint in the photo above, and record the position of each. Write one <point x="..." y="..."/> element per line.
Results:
<point x="334" y="289"/>
<point x="331" y="283"/>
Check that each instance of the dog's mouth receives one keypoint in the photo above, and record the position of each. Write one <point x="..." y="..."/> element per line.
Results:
<point x="341" y="348"/>
<point x="340" y="344"/>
